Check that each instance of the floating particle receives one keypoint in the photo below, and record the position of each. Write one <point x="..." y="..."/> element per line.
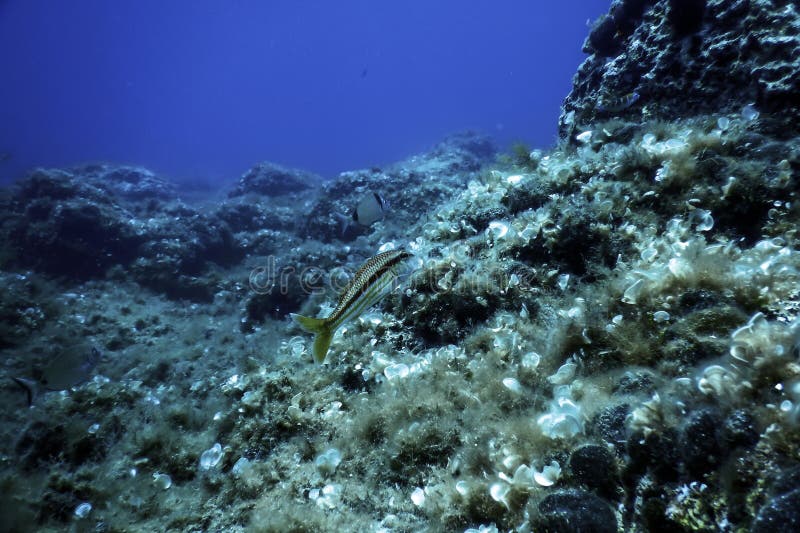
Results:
<point x="723" y="123"/>
<point x="418" y="497"/>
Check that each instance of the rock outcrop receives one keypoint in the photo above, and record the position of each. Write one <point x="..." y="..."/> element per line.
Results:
<point x="686" y="57"/>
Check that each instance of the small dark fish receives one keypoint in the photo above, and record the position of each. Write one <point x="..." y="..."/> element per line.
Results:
<point x="4" y="156"/>
<point x="364" y="73"/>
<point x="369" y="210"/>
<point x="616" y="105"/>
<point x="65" y="371"/>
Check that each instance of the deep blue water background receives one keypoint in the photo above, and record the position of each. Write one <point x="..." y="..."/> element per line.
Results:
<point x="202" y="90"/>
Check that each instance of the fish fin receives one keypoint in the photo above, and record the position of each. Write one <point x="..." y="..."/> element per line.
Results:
<point x="323" y="334"/>
<point x="344" y="221"/>
<point x="30" y="387"/>
<point x="322" y="342"/>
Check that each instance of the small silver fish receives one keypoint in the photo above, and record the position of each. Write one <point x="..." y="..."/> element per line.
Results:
<point x="614" y="105"/>
<point x="70" y="368"/>
<point x="369" y="210"/>
<point x="375" y="279"/>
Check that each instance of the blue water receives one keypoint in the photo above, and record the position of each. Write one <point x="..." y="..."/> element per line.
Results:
<point x="202" y="90"/>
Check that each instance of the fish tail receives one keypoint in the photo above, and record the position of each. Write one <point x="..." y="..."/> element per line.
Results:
<point x="30" y="388"/>
<point x="323" y="334"/>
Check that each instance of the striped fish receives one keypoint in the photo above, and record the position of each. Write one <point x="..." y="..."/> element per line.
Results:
<point x="374" y="280"/>
<point x="615" y="105"/>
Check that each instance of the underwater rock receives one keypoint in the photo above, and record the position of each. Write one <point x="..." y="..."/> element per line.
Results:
<point x="128" y="182"/>
<point x="686" y="16"/>
<point x="282" y="283"/>
<point x="271" y="179"/>
<point x="608" y="34"/>
<point x="781" y="513"/>
<point x="253" y="216"/>
<point x="787" y="481"/>
<point x="636" y="382"/>
<point x="62" y="225"/>
<point x="604" y="39"/>
<point x="411" y="188"/>
<point x="595" y="467"/>
<point x="599" y="290"/>
<point x="276" y="305"/>
<point x="691" y="56"/>
<point x="609" y="424"/>
<point x="574" y="510"/>
<point x="42" y="443"/>
<point x="25" y="307"/>
<point x="659" y="452"/>
<point x="739" y="429"/>
<point x="338" y="198"/>
<point x="463" y="152"/>
<point x="70" y="224"/>
<point x="178" y="253"/>
<point x="700" y="444"/>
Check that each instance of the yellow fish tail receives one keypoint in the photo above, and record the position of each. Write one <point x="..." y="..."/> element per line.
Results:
<point x="323" y="334"/>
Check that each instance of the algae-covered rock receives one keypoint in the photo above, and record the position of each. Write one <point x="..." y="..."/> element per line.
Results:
<point x="81" y="223"/>
<point x="575" y="510"/>
<point x="411" y="188"/>
<point x="271" y="179"/>
<point x="598" y="336"/>
<point x="690" y="57"/>
<point x="65" y="226"/>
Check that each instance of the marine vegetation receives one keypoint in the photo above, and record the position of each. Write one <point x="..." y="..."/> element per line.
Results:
<point x="598" y="336"/>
